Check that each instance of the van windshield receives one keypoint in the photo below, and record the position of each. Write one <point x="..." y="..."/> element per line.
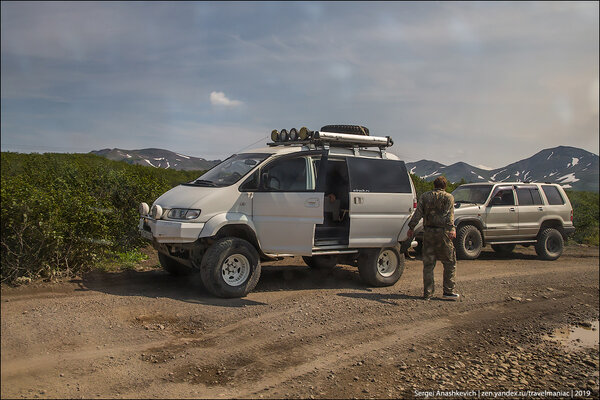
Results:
<point x="477" y="194"/>
<point x="231" y="170"/>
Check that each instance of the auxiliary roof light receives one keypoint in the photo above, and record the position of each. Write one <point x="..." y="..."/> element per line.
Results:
<point x="304" y="133"/>
<point x="283" y="135"/>
<point x="274" y="135"/>
<point x="293" y="135"/>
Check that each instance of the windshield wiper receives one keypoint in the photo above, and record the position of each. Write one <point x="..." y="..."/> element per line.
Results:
<point x="204" y="182"/>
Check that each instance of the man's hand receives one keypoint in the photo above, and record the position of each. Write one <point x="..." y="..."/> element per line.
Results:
<point x="410" y="233"/>
<point x="452" y="234"/>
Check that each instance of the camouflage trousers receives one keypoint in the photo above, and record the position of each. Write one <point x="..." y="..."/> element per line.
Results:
<point x="438" y="246"/>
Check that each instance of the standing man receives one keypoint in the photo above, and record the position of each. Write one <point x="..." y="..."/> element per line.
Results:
<point x="436" y="207"/>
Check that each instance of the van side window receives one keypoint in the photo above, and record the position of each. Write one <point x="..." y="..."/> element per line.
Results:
<point x="378" y="176"/>
<point x="287" y="175"/>
<point x="553" y="195"/>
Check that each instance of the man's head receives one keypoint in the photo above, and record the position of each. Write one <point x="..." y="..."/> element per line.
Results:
<point x="440" y="182"/>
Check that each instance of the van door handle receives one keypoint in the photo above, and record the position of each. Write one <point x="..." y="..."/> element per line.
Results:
<point x="511" y="209"/>
<point x="311" y="203"/>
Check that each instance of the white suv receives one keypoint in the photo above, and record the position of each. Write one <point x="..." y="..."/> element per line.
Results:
<point x="507" y="214"/>
<point x="326" y="196"/>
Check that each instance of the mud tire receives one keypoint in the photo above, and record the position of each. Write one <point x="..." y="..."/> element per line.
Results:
<point x="549" y="245"/>
<point x="216" y="261"/>
<point x="374" y="266"/>
<point x="468" y="242"/>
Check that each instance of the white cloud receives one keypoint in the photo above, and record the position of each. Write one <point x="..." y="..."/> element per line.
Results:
<point x="219" y="99"/>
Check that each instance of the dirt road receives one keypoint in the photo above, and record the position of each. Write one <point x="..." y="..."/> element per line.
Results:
<point x="306" y="333"/>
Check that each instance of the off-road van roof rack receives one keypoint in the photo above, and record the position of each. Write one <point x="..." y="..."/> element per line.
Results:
<point x="318" y="138"/>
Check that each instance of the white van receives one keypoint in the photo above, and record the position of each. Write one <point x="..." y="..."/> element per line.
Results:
<point x="327" y="196"/>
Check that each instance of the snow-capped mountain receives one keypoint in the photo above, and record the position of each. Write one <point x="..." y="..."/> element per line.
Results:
<point x="571" y="167"/>
<point x="157" y="158"/>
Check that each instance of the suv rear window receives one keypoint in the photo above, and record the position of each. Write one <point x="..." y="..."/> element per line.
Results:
<point x="529" y="196"/>
<point x="378" y="176"/>
<point x="553" y="195"/>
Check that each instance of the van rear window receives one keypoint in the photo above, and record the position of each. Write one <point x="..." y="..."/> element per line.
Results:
<point x="553" y="195"/>
<point x="378" y="176"/>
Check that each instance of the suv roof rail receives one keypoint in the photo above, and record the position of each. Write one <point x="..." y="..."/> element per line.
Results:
<point x="331" y="138"/>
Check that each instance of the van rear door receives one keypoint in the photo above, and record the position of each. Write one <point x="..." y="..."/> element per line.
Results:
<point x="381" y="201"/>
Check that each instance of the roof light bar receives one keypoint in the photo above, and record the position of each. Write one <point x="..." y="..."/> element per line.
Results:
<point x="305" y="135"/>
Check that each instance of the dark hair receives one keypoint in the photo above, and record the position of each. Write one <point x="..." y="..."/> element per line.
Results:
<point x="440" y="182"/>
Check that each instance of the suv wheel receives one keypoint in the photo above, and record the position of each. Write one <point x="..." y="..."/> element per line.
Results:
<point x="173" y="267"/>
<point x="321" y="262"/>
<point x="381" y="267"/>
<point x="468" y="242"/>
<point x="549" y="245"/>
<point x="230" y="268"/>
<point x="504" y="248"/>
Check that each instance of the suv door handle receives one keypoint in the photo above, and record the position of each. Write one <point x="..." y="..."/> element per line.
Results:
<point x="511" y="209"/>
<point x="358" y="200"/>
<point x="541" y="208"/>
<point x="312" y="202"/>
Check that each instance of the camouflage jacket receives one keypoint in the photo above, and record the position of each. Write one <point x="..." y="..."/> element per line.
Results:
<point x="436" y="207"/>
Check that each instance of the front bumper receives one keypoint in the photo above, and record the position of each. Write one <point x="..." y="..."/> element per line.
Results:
<point x="169" y="231"/>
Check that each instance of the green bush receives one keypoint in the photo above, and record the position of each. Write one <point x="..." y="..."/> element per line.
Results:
<point x="67" y="213"/>
<point x="585" y="216"/>
<point x="422" y="186"/>
<point x="63" y="213"/>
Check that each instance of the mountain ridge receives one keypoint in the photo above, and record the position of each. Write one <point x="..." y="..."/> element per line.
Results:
<point x="571" y="167"/>
<point x="157" y="158"/>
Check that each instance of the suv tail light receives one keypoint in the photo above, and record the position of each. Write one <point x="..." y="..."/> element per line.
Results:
<point x="415" y="206"/>
<point x="571" y="215"/>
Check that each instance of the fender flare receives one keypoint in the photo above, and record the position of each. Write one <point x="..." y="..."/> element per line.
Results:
<point x="473" y="220"/>
<point x="213" y="225"/>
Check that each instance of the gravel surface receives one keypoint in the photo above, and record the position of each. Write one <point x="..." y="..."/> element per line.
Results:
<point x="309" y="334"/>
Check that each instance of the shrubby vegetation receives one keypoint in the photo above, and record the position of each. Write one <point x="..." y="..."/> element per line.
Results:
<point x="63" y="213"/>
<point x="67" y="213"/>
<point x="585" y="216"/>
<point x="422" y="186"/>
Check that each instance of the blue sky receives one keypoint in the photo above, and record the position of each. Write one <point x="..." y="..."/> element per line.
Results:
<point x="486" y="83"/>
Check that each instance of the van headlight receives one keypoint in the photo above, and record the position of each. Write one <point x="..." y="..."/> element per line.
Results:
<point x="183" y="213"/>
